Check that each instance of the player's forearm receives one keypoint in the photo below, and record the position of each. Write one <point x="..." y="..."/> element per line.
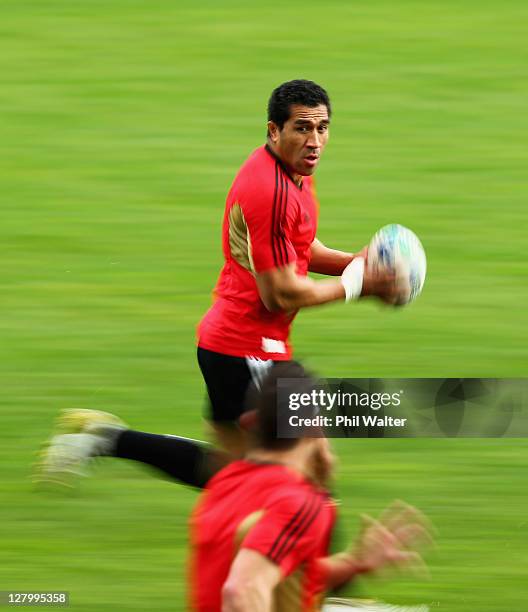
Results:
<point x="339" y="569"/>
<point x="328" y="261"/>
<point x="250" y="584"/>
<point x="301" y="293"/>
<point x="245" y="599"/>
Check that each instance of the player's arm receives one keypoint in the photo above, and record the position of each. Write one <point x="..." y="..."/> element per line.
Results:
<point x="250" y="584"/>
<point x="339" y="569"/>
<point x="285" y="536"/>
<point x="330" y="261"/>
<point x="282" y="289"/>
<point x="273" y="262"/>
<point x="394" y="540"/>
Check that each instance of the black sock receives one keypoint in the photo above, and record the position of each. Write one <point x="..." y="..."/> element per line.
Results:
<point x="187" y="461"/>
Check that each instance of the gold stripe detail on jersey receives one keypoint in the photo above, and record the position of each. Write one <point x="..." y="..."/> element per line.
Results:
<point x="245" y="527"/>
<point x="239" y="240"/>
<point x="288" y="593"/>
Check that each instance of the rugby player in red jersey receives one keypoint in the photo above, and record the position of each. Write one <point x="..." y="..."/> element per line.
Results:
<point x="261" y="530"/>
<point x="269" y="244"/>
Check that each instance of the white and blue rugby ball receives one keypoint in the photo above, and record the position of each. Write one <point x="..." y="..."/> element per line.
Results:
<point x="397" y="249"/>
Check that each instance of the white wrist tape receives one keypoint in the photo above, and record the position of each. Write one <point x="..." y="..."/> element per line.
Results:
<point x="352" y="278"/>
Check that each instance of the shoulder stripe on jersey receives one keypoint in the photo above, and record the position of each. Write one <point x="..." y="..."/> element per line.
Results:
<point x="294" y="538"/>
<point x="277" y="232"/>
<point x="296" y="523"/>
<point x="278" y="235"/>
<point x="280" y="229"/>
<point x="276" y="228"/>
<point x="297" y="516"/>
<point x="273" y="214"/>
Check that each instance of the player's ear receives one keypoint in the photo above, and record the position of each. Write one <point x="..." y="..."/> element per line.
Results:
<point x="273" y="131"/>
<point x="248" y="420"/>
<point x="323" y="461"/>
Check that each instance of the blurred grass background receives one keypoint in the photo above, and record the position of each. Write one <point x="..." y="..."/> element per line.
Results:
<point x="123" y="124"/>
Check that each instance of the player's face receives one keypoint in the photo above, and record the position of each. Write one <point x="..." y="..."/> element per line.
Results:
<point x="302" y="139"/>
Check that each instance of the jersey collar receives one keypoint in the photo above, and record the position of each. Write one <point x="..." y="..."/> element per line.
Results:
<point x="283" y="166"/>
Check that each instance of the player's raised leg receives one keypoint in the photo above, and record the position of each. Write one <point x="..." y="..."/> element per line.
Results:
<point x="82" y="435"/>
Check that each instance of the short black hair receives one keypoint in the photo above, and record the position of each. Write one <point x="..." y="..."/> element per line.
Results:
<point x="264" y="399"/>
<point x="299" y="91"/>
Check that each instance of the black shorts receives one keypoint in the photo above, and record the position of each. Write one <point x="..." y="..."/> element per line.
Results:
<point x="227" y="380"/>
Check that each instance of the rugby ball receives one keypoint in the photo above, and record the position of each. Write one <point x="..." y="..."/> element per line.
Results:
<point x="397" y="249"/>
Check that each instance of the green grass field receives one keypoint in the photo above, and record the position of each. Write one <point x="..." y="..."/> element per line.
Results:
<point x="123" y="123"/>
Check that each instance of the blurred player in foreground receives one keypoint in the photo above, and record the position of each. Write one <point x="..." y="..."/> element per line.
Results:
<point x="261" y="530"/>
<point x="269" y="244"/>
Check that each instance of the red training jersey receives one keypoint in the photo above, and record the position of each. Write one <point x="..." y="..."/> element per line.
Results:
<point x="269" y="222"/>
<point x="267" y="508"/>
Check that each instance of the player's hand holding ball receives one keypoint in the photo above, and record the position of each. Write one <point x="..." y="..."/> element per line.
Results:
<point x="397" y="251"/>
<point x="392" y="267"/>
<point x="362" y="280"/>
<point x="380" y="283"/>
